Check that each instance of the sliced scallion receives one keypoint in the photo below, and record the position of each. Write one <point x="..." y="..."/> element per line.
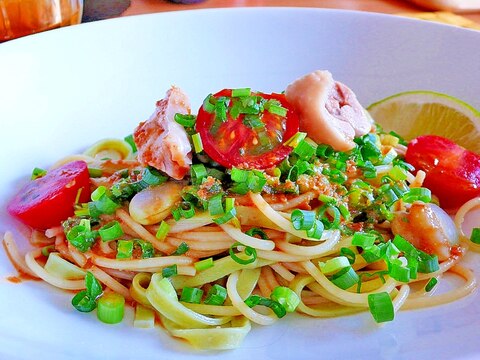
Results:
<point x="111" y="308"/>
<point x="110" y="231"/>
<point x="381" y="307"/>
<point x="191" y="295"/>
<point x="216" y="295"/>
<point x="162" y="231"/>
<point x="286" y="297"/>
<point x="277" y="308"/>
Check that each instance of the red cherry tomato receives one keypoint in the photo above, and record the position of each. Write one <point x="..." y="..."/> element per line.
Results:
<point x="47" y="201"/>
<point x="239" y="142"/>
<point x="453" y="173"/>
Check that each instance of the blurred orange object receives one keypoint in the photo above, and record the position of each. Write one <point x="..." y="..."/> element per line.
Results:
<point x="24" y="17"/>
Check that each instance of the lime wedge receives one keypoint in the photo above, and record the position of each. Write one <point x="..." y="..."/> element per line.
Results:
<point x="415" y="113"/>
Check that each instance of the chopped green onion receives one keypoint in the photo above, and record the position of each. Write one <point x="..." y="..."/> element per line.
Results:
<point x="427" y="263"/>
<point x="333" y="265"/>
<point x="253" y="121"/>
<point x="216" y="295"/>
<point x="102" y="205"/>
<point x="182" y="249"/>
<point x="304" y="149"/>
<point x="198" y="172"/>
<point x="110" y="231"/>
<point x="191" y="295"/>
<point x="204" y="264"/>
<point x="169" y="271"/>
<point x="241" y="92"/>
<point x="475" y="236"/>
<point x="372" y="254"/>
<point x="249" y="251"/>
<point x="186" y="120"/>
<point x="345" y="278"/>
<point x="197" y="143"/>
<point x="147" y="249"/>
<point x="302" y="219"/>
<point x="418" y="194"/>
<point x="316" y="231"/>
<point x="86" y="300"/>
<point x="257" y="232"/>
<point x="277" y="110"/>
<point x="95" y="173"/>
<point x="37" y="173"/>
<point x="285" y="297"/>
<point x="207" y="104"/>
<point x="295" y="139"/>
<point x="111" y="308"/>
<point x="81" y="236"/>
<point x="176" y="214"/>
<point x="327" y="199"/>
<point x="404" y="246"/>
<point x="398" y="173"/>
<point x="349" y="254"/>
<point x="152" y="176"/>
<point x="98" y="193"/>
<point x="398" y="271"/>
<point x="363" y="240"/>
<point x="431" y="284"/>
<point x="162" y="231"/>
<point x="187" y="209"/>
<point x="124" y="249"/>
<point x="381" y="307"/>
<point x="130" y="141"/>
<point x="277" y="308"/>
<point x="215" y="206"/>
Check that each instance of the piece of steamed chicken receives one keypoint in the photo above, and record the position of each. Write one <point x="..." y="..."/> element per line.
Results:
<point x="163" y="143"/>
<point x="329" y="111"/>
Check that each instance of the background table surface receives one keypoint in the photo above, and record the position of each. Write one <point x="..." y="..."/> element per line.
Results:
<point x="384" y="6"/>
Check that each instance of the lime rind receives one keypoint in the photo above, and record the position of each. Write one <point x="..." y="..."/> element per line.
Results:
<point x="422" y="112"/>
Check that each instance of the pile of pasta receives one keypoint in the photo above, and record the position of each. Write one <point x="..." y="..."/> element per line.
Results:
<point x="285" y="257"/>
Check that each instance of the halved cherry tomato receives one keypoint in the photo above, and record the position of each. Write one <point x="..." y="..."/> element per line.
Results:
<point x="453" y="173"/>
<point x="247" y="140"/>
<point x="47" y="201"/>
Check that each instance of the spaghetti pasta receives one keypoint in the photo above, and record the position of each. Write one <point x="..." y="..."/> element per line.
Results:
<point x="319" y="231"/>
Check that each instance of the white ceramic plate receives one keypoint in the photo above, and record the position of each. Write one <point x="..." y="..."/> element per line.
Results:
<point x="61" y="91"/>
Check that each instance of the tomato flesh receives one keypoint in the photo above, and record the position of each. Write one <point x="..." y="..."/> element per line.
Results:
<point x="234" y="143"/>
<point x="453" y="173"/>
<point x="47" y="201"/>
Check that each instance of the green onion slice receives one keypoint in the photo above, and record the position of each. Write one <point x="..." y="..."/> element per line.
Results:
<point x="286" y="297"/>
<point x="191" y="295"/>
<point x="111" y="308"/>
<point x="186" y="120"/>
<point x="381" y="307"/>
<point x="431" y="284"/>
<point x="110" y="231"/>
<point x="204" y="264"/>
<point x="249" y="251"/>
<point x="182" y="249"/>
<point x="475" y="236"/>
<point x="169" y="271"/>
<point x="216" y="295"/>
<point x="124" y="249"/>
<point x="345" y="278"/>
<point x="163" y="230"/>
<point x="277" y="308"/>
